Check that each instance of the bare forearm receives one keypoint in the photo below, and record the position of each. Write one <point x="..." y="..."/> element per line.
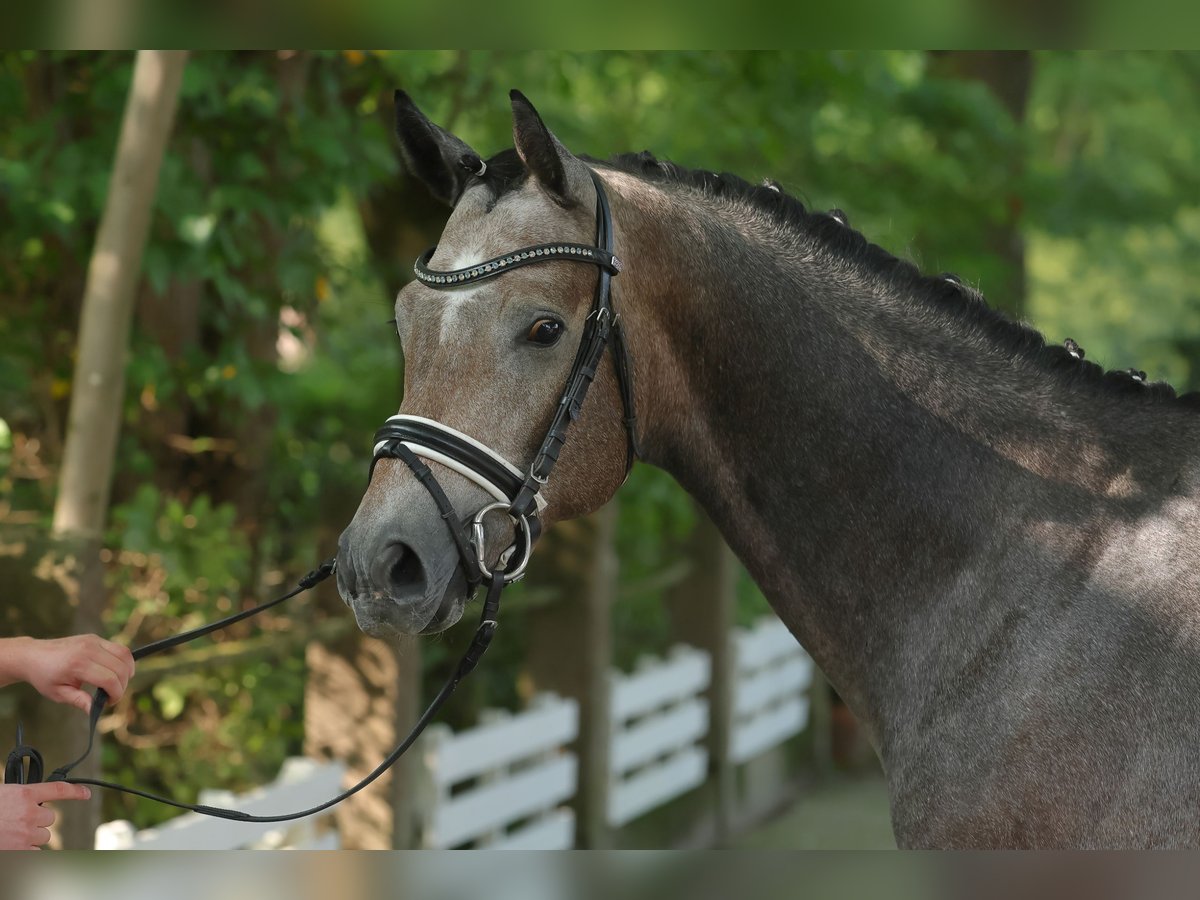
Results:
<point x="14" y="659"/>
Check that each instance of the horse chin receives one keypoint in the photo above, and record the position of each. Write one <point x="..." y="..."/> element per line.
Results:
<point x="447" y="614"/>
<point x="451" y="606"/>
<point x="383" y="617"/>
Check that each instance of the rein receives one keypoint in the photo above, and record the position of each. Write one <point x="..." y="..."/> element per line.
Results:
<point x="411" y="439"/>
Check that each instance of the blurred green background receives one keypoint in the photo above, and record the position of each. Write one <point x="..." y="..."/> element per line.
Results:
<point x="1063" y="185"/>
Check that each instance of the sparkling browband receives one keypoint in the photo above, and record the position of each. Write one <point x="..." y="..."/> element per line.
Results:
<point x="540" y="253"/>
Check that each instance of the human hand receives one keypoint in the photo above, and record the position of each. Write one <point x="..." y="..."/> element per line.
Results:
<point x="60" y="668"/>
<point x="24" y="822"/>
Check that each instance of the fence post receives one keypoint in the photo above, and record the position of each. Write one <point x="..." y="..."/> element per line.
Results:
<point x="571" y="650"/>
<point x="702" y="608"/>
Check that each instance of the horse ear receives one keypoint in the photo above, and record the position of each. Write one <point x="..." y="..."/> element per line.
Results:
<point x="555" y="169"/>
<point x="434" y="155"/>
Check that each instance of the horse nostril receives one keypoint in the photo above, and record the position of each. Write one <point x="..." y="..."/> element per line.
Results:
<point x="398" y="571"/>
<point x="405" y="567"/>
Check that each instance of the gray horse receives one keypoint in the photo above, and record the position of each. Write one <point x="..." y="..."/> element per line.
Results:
<point x="988" y="544"/>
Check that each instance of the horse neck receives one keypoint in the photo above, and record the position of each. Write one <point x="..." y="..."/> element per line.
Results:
<point x="877" y="473"/>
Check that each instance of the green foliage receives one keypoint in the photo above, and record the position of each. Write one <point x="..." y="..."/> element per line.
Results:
<point x="196" y="548"/>
<point x="180" y="565"/>
<point x="228" y="727"/>
<point x="1115" y="221"/>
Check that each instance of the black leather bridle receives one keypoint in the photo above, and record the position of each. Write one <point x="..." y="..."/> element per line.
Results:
<point x="515" y="491"/>
<point x="412" y="439"/>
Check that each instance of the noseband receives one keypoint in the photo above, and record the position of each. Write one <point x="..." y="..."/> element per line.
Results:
<point x="413" y="438"/>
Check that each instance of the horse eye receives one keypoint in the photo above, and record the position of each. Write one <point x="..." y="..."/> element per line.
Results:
<point x="545" y="332"/>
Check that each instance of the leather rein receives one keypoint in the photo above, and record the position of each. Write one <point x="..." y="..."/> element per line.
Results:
<point x="412" y="439"/>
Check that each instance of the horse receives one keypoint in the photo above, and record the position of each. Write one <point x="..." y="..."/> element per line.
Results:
<point x="986" y="542"/>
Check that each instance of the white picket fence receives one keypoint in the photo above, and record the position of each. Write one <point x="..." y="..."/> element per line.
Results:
<point x="505" y="782"/>
<point x="301" y="783"/>
<point x="770" y="697"/>
<point x="659" y="717"/>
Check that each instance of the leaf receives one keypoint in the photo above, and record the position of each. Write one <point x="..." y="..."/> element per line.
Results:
<point x="171" y="700"/>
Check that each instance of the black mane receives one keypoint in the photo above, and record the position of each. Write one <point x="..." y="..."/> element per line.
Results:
<point x="832" y="232"/>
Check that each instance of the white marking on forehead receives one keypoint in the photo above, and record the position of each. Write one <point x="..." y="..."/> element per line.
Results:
<point x="453" y="302"/>
<point x="465" y="260"/>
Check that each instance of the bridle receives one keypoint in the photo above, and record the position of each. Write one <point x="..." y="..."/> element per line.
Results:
<point x="410" y="438"/>
<point x="413" y="439"/>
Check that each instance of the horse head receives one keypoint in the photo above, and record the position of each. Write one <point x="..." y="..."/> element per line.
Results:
<point x="486" y="361"/>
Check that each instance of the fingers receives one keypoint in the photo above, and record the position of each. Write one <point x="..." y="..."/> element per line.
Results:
<point x="114" y="658"/>
<point x="76" y="697"/>
<point x="24" y="821"/>
<point x="123" y="653"/>
<point x="122" y="659"/>
<point x="96" y="674"/>
<point x="42" y="817"/>
<point x="51" y="791"/>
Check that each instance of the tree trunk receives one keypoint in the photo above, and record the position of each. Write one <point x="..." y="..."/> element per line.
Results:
<point x="98" y="389"/>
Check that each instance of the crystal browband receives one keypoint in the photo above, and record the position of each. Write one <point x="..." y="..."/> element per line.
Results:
<point x="489" y="268"/>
